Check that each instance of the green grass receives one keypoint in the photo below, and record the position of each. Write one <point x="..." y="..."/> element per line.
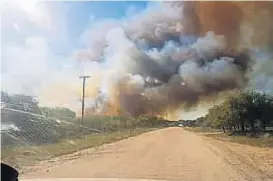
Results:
<point x="260" y="142"/>
<point x="21" y="156"/>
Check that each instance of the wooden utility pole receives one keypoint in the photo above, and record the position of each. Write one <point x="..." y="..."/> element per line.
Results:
<point x="83" y="94"/>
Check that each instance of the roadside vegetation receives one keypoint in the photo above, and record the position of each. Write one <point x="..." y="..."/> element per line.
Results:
<point x="244" y="112"/>
<point x="244" y="117"/>
<point x="263" y="141"/>
<point x="203" y="129"/>
<point x="30" y="133"/>
<point x="21" y="156"/>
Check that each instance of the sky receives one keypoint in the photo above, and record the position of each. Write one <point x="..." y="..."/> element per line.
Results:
<point x="39" y="40"/>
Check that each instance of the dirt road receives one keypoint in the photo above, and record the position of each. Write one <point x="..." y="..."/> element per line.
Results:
<point x="171" y="154"/>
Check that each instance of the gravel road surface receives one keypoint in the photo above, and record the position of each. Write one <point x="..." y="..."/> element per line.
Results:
<point x="167" y="154"/>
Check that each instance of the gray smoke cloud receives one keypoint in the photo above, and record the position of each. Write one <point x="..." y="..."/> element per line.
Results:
<point x="161" y="60"/>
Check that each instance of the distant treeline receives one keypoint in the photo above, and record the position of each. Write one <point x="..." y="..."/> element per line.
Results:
<point x="113" y="123"/>
<point x="241" y="112"/>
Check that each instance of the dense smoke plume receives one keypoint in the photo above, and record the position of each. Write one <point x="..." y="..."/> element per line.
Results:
<point x="173" y="56"/>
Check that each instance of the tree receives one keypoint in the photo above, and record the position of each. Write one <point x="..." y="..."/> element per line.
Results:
<point x="264" y="107"/>
<point x="241" y="110"/>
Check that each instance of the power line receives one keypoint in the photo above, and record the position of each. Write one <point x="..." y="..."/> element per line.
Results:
<point x="83" y="94"/>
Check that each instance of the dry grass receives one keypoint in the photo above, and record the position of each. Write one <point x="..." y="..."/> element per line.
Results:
<point x="21" y="156"/>
<point x="242" y="139"/>
<point x="260" y="142"/>
<point x="202" y="130"/>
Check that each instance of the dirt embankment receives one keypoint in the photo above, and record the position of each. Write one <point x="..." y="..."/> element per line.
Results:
<point x="172" y="154"/>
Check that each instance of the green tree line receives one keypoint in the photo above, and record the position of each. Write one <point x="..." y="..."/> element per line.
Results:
<point x="242" y="112"/>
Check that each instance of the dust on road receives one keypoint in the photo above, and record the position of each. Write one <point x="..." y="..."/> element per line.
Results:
<point x="171" y="154"/>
